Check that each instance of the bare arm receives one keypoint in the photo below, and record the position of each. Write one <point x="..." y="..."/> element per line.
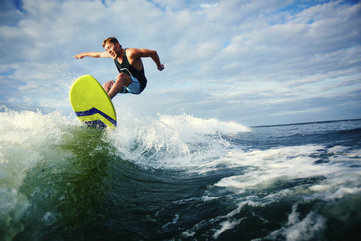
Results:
<point x="143" y="53"/>
<point x="93" y="55"/>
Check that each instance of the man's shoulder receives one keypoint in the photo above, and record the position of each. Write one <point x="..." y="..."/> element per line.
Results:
<point x="132" y="52"/>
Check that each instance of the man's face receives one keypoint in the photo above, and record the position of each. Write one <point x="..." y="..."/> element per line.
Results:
<point x="112" y="49"/>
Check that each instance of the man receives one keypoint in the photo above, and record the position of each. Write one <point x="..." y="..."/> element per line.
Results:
<point x="131" y="78"/>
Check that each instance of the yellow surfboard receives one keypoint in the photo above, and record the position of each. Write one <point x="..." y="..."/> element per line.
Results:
<point x="91" y="103"/>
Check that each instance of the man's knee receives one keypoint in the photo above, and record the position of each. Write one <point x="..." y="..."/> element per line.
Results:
<point x="108" y="85"/>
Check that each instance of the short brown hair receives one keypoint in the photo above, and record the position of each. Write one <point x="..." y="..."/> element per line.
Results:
<point x="112" y="40"/>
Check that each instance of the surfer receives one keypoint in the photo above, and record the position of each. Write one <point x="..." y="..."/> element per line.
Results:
<point x="131" y="77"/>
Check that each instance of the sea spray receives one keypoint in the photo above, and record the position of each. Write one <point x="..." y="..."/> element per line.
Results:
<point x="177" y="177"/>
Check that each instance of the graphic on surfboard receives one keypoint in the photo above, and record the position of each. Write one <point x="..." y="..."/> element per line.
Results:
<point x="91" y="103"/>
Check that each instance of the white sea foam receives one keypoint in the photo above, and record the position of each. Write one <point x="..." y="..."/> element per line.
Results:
<point x="293" y="217"/>
<point x="336" y="150"/>
<point x="298" y="230"/>
<point x="26" y="138"/>
<point x="225" y="222"/>
<point x="265" y="167"/>
<point x="226" y="225"/>
<point x="340" y="177"/>
<point x="173" y="141"/>
<point x="192" y="144"/>
<point x="167" y="141"/>
<point x="193" y="125"/>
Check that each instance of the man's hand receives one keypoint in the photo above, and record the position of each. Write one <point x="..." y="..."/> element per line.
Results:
<point x="79" y="56"/>
<point x="160" y="67"/>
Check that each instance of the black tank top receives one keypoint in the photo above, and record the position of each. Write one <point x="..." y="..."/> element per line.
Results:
<point x="126" y="68"/>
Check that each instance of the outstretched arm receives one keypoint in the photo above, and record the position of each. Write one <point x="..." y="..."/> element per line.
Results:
<point x="141" y="53"/>
<point x="93" y="55"/>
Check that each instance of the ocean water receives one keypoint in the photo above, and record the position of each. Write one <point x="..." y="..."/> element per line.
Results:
<point x="177" y="178"/>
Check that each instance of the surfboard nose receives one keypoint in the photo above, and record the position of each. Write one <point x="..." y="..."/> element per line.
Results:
<point x="91" y="103"/>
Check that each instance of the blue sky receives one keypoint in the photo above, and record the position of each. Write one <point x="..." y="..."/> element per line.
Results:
<point x="253" y="62"/>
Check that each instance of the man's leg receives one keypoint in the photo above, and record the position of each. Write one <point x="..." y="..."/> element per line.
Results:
<point x="123" y="80"/>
